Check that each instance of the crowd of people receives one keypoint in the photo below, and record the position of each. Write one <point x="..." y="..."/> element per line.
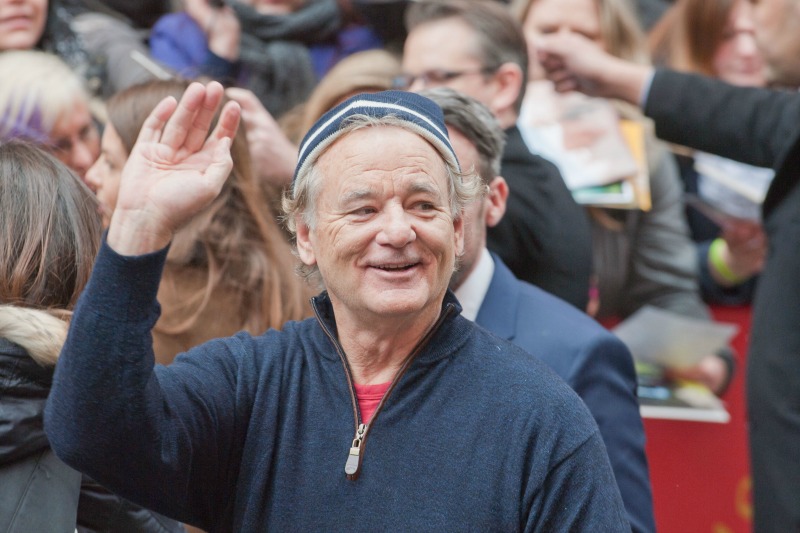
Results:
<point x="297" y="264"/>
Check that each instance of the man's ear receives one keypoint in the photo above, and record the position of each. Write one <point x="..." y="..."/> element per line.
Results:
<point x="305" y="248"/>
<point x="496" y="201"/>
<point x="508" y="80"/>
<point x="458" y="227"/>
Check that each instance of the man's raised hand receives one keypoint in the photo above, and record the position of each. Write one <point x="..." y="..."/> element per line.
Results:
<point x="175" y="169"/>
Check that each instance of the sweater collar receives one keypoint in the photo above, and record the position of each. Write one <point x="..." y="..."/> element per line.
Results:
<point x="451" y="334"/>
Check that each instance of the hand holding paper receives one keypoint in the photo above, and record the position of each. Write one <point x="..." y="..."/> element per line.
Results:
<point x="670" y="340"/>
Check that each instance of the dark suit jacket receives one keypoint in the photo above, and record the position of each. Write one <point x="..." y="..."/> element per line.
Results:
<point x="544" y="237"/>
<point x="762" y="128"/>
<point x="594" y="362"/>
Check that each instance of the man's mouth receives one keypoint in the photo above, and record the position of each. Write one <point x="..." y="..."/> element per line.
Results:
<point x="396" y="267"/>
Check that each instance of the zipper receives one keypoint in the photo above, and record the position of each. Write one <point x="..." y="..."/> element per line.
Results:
<point x="353" y="463"/>
<point x="355" y="457"/>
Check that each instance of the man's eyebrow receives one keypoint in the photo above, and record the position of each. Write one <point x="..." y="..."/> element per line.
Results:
<point x="357" y="195"/>
<point x="424" y="187"/>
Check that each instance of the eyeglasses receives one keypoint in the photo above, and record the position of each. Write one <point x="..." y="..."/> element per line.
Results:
<point x="436" y="77"/>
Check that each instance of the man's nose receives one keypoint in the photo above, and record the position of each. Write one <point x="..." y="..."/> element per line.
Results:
<point x="396" y="230"/>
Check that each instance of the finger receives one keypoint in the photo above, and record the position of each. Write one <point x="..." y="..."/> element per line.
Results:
<point x="201" y="125"/>
<point x="563" y="81"/>
<point x="246" y="99"/>
<point x="154" y="124"/>
<point x="228" y="122"/>
<point x="181" y="122"/>
<point x="253" y="112"/>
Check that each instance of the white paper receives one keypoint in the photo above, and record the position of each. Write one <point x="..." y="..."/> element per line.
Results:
<point x="739" y="187"/>
<point x="579" y="134"/>
<point x="670" y="340"/>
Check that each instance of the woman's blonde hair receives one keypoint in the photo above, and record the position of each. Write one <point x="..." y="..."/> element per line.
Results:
<point x="36" y="89"/>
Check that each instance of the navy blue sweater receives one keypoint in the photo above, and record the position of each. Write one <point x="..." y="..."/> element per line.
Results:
<point x="252" y="433"/>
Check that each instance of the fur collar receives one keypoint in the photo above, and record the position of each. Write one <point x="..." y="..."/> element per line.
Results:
<point x="40" y="333"/>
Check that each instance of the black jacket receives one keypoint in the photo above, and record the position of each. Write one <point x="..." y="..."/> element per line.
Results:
<point x="61" y="495"/>
<point x="544" y="237"/>
<point x="762" y="128"/>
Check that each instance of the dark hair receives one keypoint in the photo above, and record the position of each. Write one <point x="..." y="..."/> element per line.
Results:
<point x="499" y="36"/>
<point x="49" y="229"/>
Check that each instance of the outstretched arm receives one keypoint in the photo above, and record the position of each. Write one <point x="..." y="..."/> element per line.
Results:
<point x="175" y="169"/>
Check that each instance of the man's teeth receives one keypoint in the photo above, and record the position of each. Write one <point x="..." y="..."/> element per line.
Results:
<point x="395" y="267"/>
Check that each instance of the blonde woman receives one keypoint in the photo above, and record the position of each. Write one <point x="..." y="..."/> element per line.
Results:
<point x="43" y="100"/>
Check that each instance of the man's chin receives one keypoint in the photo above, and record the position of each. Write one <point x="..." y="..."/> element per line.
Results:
<point x="398" y="303"/>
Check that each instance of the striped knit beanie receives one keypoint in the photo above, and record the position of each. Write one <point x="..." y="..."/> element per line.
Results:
<point x="422" y="115"/>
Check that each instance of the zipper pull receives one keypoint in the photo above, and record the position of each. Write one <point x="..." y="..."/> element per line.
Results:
<point x="354" y="458"/>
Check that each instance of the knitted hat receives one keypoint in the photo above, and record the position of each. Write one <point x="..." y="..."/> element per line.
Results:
<point x="422" y="115"/>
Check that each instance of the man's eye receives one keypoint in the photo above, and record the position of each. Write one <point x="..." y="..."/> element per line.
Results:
<point x="363" y="211"/>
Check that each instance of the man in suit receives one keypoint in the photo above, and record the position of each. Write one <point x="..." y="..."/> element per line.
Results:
<point x="758" y="127"/>
<point x="478" y="49"/>
<point x="596" y="364"/>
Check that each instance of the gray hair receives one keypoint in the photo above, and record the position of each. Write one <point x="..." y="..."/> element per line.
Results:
<point x="477" y="124"/>
<point x="301" y="199"/>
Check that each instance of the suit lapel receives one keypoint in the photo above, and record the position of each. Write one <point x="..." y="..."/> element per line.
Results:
<point x="498" y="312"/>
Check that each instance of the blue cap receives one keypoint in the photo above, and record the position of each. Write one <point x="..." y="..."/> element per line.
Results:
<point x="423" y="116"/>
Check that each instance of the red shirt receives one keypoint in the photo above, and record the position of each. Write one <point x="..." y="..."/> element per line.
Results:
<point x="369" y="396"/>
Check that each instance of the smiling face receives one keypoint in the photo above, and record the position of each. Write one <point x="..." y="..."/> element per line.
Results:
<point x="104" y="176"/>
<point x="384" y="238"/>
<point x="21" y="23"/>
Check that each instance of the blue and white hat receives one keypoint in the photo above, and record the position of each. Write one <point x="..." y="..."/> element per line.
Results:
<point x="423" y="116"/>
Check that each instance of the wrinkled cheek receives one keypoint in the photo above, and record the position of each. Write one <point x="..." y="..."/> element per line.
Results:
<point x="449" y="263"/>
